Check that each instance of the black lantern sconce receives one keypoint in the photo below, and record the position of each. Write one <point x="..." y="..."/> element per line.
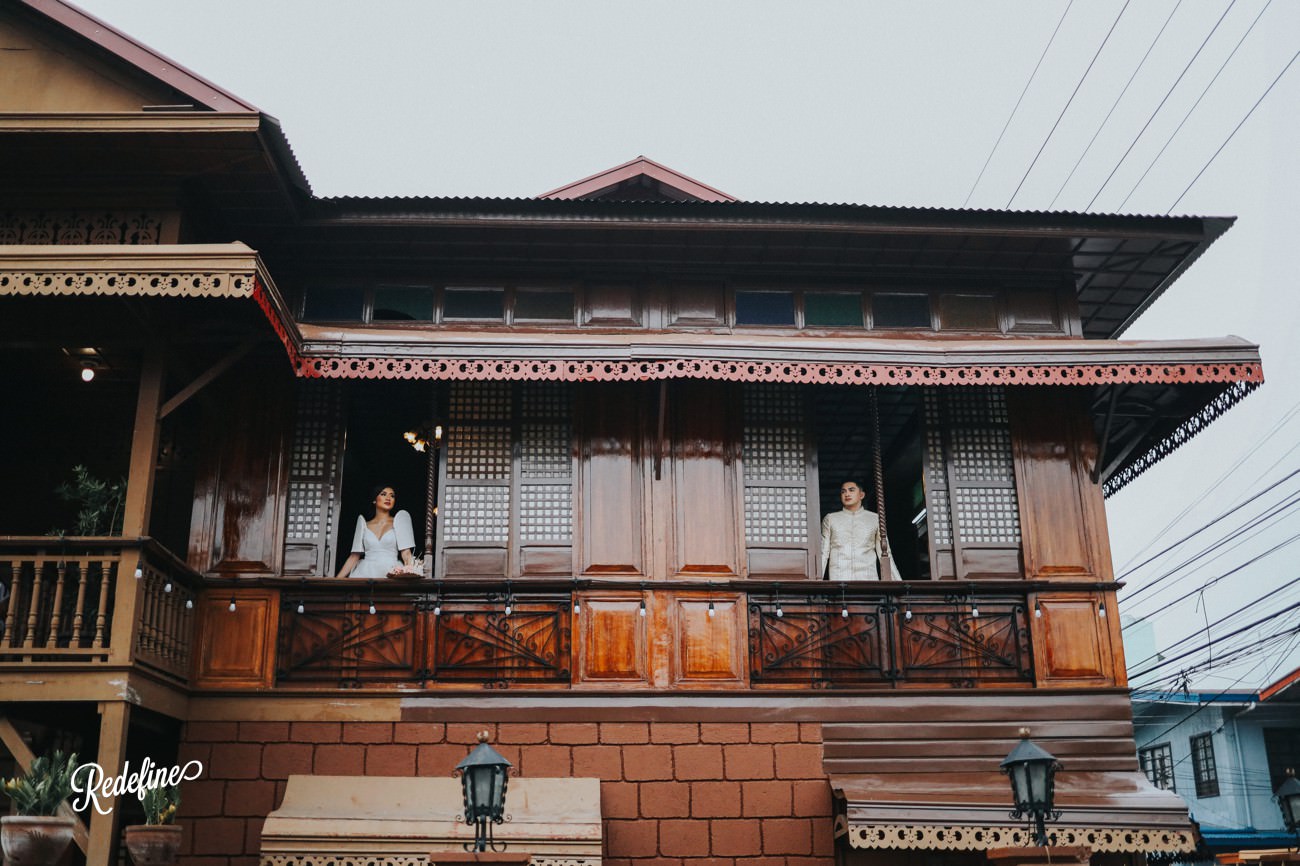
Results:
<point x="483" y="777"/>
<point x="1032" y="770"/>
<point x="1288" y="800"/>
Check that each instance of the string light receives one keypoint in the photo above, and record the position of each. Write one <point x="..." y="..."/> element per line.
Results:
<point x="711" y="607"/>
<point x="1038" y="610"/>
<point x="232" y="604"/>
<point x="189" y="604"/>
<point x="139" y="572"/>
<point x="974" y="609"/>
<point x="87" y="372"/>
<point x="302" y="608"/>
<point x="372" y="607"/>
<point x="641" y="612"/>
<point x="167" y="587"/>
<point x="1101" y="609"/>
<point x="779" y="612"/>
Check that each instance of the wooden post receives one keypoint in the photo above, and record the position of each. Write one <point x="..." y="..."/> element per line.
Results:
<point x="139" y="499"/>
<point x="878" y="476"/>
<point x="114" y="720"/>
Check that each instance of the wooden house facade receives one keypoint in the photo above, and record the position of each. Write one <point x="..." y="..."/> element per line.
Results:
<point x="637" y="396"/>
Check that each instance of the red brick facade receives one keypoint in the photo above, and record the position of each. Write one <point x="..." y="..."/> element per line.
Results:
<point x="671" y="793"/>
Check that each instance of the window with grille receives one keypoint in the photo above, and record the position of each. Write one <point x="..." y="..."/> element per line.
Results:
<point x="1158" y="764"/>
<point x="1203" y="769"/>
<point x="774" y="460"/>
<point x="970" y="486"/>
<point x="506" y="506"/>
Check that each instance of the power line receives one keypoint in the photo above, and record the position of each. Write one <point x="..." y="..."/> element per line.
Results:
<point x="1254" y="624"/>
<point x="1255" y="526"/>
<point x="1179" y="128"/>
<point x="1115" y="104"/>
<point x="1011" y="117"/>
<point x="1169" y="93"/>
<point x="1234" y="509"/>
<point x="1234" y="131"/>
<point x="1068" y="102"/>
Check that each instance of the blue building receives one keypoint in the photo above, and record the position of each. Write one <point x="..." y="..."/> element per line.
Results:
<point x="1224" y="754"/>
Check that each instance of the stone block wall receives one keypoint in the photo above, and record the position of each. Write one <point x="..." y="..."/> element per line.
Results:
<point x="672" y="794"/>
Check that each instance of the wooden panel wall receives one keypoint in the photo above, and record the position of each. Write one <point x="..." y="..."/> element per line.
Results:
<point x="1061" y="510"/>
<point x="236" y="649"/>
<point x="703" y="503"/>
<point x="611" y="500"/>
<point x="239" y="508"/>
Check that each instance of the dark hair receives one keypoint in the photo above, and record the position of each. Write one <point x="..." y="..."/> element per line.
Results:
<point x="374" y="494"/>
<point x="842" y="483"/>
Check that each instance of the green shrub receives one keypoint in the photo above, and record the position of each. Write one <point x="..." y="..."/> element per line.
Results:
<point x="160" y="804"/>
<point x="44" y="787"/>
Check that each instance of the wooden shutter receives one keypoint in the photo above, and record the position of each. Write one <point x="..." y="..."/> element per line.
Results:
<point x="315" y="470"/>
<point x="778" y="497"/>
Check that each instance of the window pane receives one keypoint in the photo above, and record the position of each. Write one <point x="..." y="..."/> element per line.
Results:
<point x="543" y="304"/>
<point x="403" y="304"/>
<point x="832" y="310"/>
<point x="764" y="308"/>
<point x="1204" y="770"/>
<point x="474" y="304"/>
<point x="901" y="311"/>
<point x="968" y="313"/>
<point x="333" y="304"/>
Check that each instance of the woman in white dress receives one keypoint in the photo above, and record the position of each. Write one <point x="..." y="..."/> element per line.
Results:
<point x="381" y="543"/>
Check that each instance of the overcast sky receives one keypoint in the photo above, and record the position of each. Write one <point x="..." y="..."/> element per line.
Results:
<point x="879" y="103"/>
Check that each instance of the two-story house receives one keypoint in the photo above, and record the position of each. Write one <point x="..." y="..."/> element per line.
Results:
<point x="648" y="393"/>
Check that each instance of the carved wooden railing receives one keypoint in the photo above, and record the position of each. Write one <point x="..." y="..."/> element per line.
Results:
<point x="165" y="616"/>
<point x="794" y="635"/>
<point x="60" y="600"/>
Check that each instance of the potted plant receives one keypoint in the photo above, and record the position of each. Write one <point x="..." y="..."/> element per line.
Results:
<point x="38" y="835"/>
<point x="157" y="842"/>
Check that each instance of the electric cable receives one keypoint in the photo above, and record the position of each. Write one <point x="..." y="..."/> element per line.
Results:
<point x="1068" y="102"/>
<point x="1234" y="131"/>
<point x="1178" y="129"/>
<point x="1264" y="619"/>
<point x="1011" y="117"/>
<point x="1168" y="93"/>
<point x="1115" y="104"/>
<point x="1204" y="527"/>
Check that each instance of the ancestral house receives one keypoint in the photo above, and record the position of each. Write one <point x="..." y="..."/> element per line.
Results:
<point x="616" y="415"/>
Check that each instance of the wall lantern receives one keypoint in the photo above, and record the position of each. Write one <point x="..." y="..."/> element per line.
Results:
<point x="483" y="776"/>
<point x="1033" y="774"/>
<point x="1288" y="799"/>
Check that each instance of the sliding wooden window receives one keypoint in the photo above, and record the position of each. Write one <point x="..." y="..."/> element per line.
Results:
<point x="970" y="484"/>
<point x="315" y="470"/>
<point x="506" y="503"/>
<point x="780" y="483"/>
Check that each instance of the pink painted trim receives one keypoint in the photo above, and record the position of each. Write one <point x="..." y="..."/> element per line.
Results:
<point x="766" y="371"/>
<point x="632" y="168"/>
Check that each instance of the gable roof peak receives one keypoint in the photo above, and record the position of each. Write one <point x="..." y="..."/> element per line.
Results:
<point x="638" y="179"/>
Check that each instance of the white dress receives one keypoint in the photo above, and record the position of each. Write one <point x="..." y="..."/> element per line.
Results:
<point x="381" y="554"/>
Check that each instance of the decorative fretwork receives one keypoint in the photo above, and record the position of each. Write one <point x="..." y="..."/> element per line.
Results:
<point x="80" y="227"/>
<point x="948" y="641"/>
<point x="530" y="643"/>
<point x="130" y="283"/>
<point x="812" y="642"/>
<point x="546" y="512"/>
<point x="338" y="639"/>
<point x="883" y="640"/>
<point x="328" y="858"/>
<point x="476" y="512"/>
<point x="776" y="515"/>
<point x="422" y="637"/>
<point x="923" y="837"/>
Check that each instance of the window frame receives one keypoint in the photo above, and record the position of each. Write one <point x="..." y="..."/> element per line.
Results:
<point x="1157" y="763"/>
<point x="1205" y="771"/>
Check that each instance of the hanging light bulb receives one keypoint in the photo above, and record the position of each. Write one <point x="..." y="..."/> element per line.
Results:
<point x="87" y="372"/>
<point x="844" y="612"/>
<point x="189" y="604"/>
<point x="974" y="609"/>
<point x="437" y="606"/>
<point x="1038" y="610"/>
<point x="779" y="612"/>
<point x="641" y="611"/>
<point x="577" y="606"/>
<point x="139" y="572"/>
<point x="510" y="604"/>
<point x="907" y="613"/>
<point x="232" y="604"/>
<point x="302" y="608"/>
<point x="1101" y="609"/>
<point x="167" y="587"/>
<point x="711" y="607"/>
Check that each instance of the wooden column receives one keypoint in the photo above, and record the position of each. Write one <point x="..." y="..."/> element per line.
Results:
<point x="114" y="719"/>
<point x="139" y="499"/>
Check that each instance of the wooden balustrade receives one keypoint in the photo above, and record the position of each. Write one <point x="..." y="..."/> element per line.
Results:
<point x="58" y="599"/>
<point x="342" y="634"/>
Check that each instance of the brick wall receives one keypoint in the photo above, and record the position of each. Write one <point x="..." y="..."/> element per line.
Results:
<point x="671" y="794"/>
